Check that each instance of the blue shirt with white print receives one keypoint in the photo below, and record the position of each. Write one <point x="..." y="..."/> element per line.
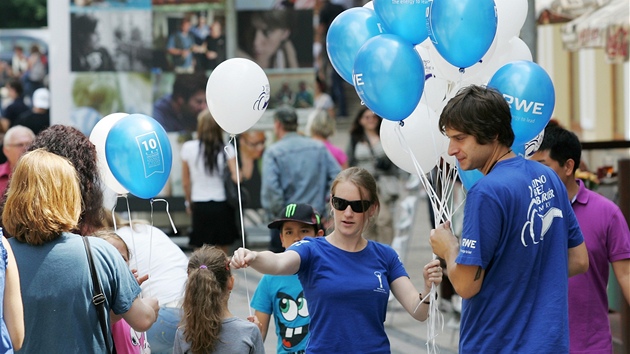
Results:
<point x="347" y="294"/>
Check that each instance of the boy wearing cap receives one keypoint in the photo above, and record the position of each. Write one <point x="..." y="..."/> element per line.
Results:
<point x="282" y="295"/>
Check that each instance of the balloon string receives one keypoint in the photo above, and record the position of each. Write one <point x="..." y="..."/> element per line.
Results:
<point x="133" y="237"/>
<point x="167" y="212"/>
<point x="434" y="313"/>
<point x="240" y="211"/>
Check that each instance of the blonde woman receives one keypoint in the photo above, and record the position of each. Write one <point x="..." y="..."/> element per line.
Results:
<point x="43" y="205"/>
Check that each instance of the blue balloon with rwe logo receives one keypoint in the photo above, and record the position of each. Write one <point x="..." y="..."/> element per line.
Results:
<point x="389" y="76"/>
<point x="139" y="155"/>
<point x="529" y="92"/>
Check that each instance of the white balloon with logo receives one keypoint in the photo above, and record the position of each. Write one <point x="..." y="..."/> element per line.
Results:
<point x="237" y="94"/>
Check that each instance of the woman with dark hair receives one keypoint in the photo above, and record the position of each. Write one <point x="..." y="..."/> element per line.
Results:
<point x="268" y="39"/>
<point x="365" y="150"/>
<point x="203" y="161"/>
<point x="87" y="52"/>
<point x="70" y="143"/>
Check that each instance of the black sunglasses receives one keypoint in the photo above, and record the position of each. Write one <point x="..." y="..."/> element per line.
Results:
<point x="358" y="206"/>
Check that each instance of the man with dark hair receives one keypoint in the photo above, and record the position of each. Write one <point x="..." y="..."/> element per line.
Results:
<point x="178" y="111"/>
<point x="296" y="169"/>
<point x="520" y="239"/>
<point x="14" y="109"/>
<point x="607" y="239"/>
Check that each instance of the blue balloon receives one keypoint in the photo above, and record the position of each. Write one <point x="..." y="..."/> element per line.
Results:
<point x="529" y="91"/>
<point x="346" y="34"/>
<point x="389" y="76"/>
<point x="468" y="178"/>
<point x="139" y="155"/>
<point x="404" y="18"/>
<point x="462" y="30"/>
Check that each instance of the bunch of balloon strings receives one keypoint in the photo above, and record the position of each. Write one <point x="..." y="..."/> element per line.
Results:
<point x="439" y="186"/>
<point x="131" y="230"/>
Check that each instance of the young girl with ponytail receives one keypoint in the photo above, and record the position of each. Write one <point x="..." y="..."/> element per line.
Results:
<point x="207" y="324"/>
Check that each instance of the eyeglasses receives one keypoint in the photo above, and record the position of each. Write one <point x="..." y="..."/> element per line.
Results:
<point x="358" y="206"/>
<point x="253" y="145"/>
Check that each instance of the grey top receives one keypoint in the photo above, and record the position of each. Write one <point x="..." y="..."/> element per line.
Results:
<point x="237" y="337"/>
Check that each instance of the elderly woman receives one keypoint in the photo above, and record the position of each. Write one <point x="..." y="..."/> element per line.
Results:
<point x="43" y="205"/>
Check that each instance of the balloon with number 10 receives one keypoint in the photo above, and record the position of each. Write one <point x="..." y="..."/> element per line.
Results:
<point x="139" y="155"/>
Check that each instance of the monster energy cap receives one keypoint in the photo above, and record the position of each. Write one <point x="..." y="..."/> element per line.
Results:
<point x="303" y="213"/>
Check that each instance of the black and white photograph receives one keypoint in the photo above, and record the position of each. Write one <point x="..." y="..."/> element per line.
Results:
<point x="111" y="41"/>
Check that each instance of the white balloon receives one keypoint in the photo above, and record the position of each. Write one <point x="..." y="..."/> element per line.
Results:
<point x="511" y="15"/>
<point x="447" y="71"/>
<point x="98" y="137"/>
<point x="237" y="94"/>
<point x="369" y="5"/>
<point x="419" y="136"/>
<point x="515" y="49"/>
<point x="435" y="88"/>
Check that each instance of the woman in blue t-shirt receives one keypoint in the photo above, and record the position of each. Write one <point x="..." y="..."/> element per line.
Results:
<point x="347" y="278"/>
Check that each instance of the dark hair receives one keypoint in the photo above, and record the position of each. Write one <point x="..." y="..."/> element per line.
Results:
<point x="357" y="133"/>
<point x="287" y="116"/>
<point x="187" y="85"/>
<point x="481" y="112"/>
<point x="210" y="138"/>
<point x="562" y="145"/>
<point x="17" y="86"/>
<point x="82" y="26"/>
<point x="69" y="142"/>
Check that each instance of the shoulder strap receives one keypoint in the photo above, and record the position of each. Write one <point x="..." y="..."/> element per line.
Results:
<point x="99" y="298"/>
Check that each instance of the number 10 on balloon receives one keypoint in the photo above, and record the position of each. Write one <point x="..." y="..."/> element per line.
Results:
<point x="151" y="153"/>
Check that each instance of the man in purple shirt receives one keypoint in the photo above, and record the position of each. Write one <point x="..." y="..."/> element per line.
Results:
<point x="607" y="240"/>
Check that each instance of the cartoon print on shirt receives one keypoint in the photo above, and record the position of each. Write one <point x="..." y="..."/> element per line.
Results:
<point x="293" y="322"/>
<point x="539" y="212"/>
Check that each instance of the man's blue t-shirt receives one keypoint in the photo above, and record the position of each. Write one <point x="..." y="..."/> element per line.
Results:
<point x="282" y="296"/>
<point x="347" y="295"/>
<point x="518" y="226"/>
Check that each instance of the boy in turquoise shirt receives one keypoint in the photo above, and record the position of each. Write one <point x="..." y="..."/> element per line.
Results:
<point x="282" y="295"/>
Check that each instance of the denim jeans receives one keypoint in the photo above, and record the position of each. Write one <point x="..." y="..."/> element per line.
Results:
<point x="162" y="334"/>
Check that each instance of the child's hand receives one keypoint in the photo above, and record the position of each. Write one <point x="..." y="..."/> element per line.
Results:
<point x="432" y="273"/>
<point x="254" y="320"/>
<point x="242" y="258"/>
<point x="139" y="279"/>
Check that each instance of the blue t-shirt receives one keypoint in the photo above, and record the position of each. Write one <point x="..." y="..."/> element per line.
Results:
<point x="518" y="226"/>
<point x="282" y="296"/>
<point x="347" y="295"/>
<point x="59" y="316"/>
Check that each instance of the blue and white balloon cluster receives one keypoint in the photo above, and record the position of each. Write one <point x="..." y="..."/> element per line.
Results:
<point x="405" y="55"/>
